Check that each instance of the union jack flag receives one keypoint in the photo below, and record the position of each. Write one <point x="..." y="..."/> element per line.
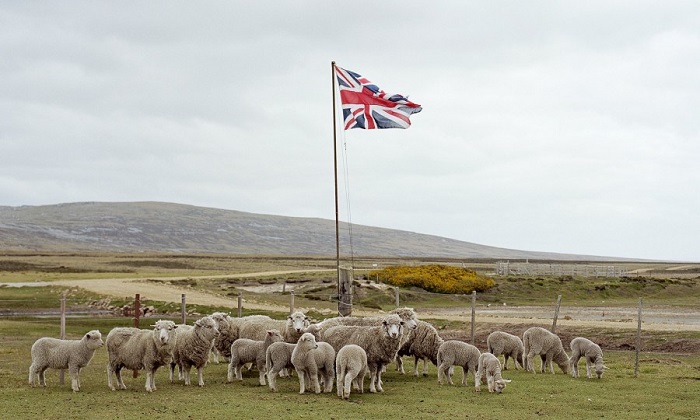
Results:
<point x="367" y="106"/>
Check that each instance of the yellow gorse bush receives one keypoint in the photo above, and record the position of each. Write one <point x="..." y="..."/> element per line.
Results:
<point x="435" y="278"/>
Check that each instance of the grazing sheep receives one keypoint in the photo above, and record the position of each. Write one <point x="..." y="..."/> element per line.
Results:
<point x="490" y="367"/>
<point x="422" y="343"/>
<point x="537" y="340"/>
<point x="192" y="348"/>
<point x="245" y="351"/>
<point x="508" y="345"/>
<point x="583" y="347"/>
<point x="55" y="353"/>
<point x="137" y="349"/>
<point x="311" y="359"/>
<point x="379" y="342"/>
<point x="457" y="353"/>
<point x="407" y="315"/>
<point x="351" y="367"/>
<point x="278" y="357"/>
<point x="255" y="327"/>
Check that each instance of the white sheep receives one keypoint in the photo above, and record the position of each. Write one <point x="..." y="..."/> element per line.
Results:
<point x="422" y="343"/>
<point x="192" y="347"/>
<point x="381" y="343"/>
<point x="583" y="347"/>
<point x="351" y="368"/>
<point x="137" y="349"/>
<point x="278" y="357"/>
<point x="407" y="315"/>
<point x="311" y="359"/>
<point x="245" y="351"/>
<point x="489" y="368"/>
<point x="457" y="353"/>
<point x="508" y="345"/>
<point x="255" y="327"/>
<point x="228" y="333"/>
<point x="537" y="340"/>
<point x="54" y="353"/>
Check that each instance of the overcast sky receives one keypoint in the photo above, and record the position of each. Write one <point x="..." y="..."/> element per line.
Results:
<point x="557" y="126"/>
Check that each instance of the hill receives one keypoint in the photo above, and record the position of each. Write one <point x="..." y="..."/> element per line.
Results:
<point x="179" y="228"/>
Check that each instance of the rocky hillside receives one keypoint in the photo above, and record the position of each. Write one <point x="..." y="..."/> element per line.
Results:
<point x="168" y="227"/>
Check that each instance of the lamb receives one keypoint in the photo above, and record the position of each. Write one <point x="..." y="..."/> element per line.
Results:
<point x="311" y="359"/>
<point x="54" y="353"/>
<point x="255" y="327"/>
<point x="490" y="367"/>
<point x="137" y="349"/>
<point x="509" y="345"/>
<point x="351" y="367"/>
<point x="583" y="347"/>
<point x="537" y="340"/>
<point x="278" y="357"/>
<point x="245" y="351"/>
<point x="457" y="353"/>
<point x="381" y="343"/>
<point x="422" y="343"/>
<point x="192" y="348"/>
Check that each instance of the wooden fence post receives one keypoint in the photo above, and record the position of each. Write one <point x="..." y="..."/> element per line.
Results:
<point x="240" y="304"/>
<point x="61" y="373"/>
<point x="556" y="315"/>
<point x="183" y="309"/>
<point x="473" y="314"/>
<point x="137" y="318"/>
<point x="639" y="339"/>
<point x="291" y="302"/>
<point x="396" y="296"/>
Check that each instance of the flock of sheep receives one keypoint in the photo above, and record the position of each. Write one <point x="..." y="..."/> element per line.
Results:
<point x="344" y="349"/>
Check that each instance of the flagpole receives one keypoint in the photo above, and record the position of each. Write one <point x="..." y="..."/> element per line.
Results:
<point x="335" y="177"/>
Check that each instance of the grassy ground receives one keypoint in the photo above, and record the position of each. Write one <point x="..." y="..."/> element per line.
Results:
<point x="664" y="380"/>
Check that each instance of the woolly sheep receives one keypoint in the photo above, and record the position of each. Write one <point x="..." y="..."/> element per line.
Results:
<point x="255" y="327"/>
<point x="54" y="353"/>
<point x="228" y="333"/>
<point x="457" y="353"/>
<point x="422" y="343"/>
<point x="407" y="315"/>
<point x="245" y="351"/>
<point x="192" y="347"/>
<point x="137" y="349"/>
<point x="583" y="347"/>
<point x="311" y="359"/>
<point x="508" y="345"/>
<point x="278" y="357"/>
<point x="381" y="343"/>
<point x="351" y="367"/>
<point x="489" y="368"/>
<point x="537" y="340"/>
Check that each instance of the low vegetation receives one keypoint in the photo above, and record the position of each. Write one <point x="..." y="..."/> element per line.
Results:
<point x="436" y="278"/>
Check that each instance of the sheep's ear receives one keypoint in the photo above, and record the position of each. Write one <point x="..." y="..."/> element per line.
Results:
<point x="385" y="323"/>
<point x="605" y="367"/>
<point x="175" y="326"/>
<point x="402" y="323"/>
<point x="88" y="336"/>
<point x="153" y="325"/>
<point x="507" y="380"/>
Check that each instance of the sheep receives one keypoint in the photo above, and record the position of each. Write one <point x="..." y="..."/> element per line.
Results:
<point x="278" y="357"/>
<point x="228" y="333"/>
<point x="381" y="343"/>
<point x="192" y="347"/>
<point x="537" y="340"/>
<point x="54" y="353"/>
<point x="245" y="351"/>
<point x="408" y="315"/>
<point x="311" y="359"/>
<point x="255" y="327"/>
<point x="583" y="347"/>
<point x="137" y="349"/>
<point x="457" y="353"/>
<point x="489" y="368"/>
<point x="422" y="343"/>
<point x="351" y="367"/>
<point x="509" y="345"/>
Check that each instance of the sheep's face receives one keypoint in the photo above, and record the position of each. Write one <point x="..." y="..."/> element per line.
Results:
<point x="164" y="331"/>
<point x="298" y="321"/>
<point x="208" y="326"/>
<point x="93" y="339"/>
<point x="393" y="327"/>
<point x="599" y="368"/>
<point x="500" y="385"/>
<point x="307" y="341"/>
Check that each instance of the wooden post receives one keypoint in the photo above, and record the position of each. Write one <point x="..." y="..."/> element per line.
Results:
<point x="137" y="317"/>
<point x="183" y="310"/>
<point x="61" y="373"/>
<point x="345" y="291"/>
<point x="396" y="296"/>
<point x="473" y="314"/>
<point x="556" y="315"/>
<point x="639" y="339"/>
<point x="240" y="304"/>
<point x="291" y="302"/>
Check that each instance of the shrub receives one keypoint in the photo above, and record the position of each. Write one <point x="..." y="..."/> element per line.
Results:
<point x="435" y="278"/>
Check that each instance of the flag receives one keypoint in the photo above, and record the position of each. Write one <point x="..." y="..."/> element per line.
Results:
<point x="367" y="106"/>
